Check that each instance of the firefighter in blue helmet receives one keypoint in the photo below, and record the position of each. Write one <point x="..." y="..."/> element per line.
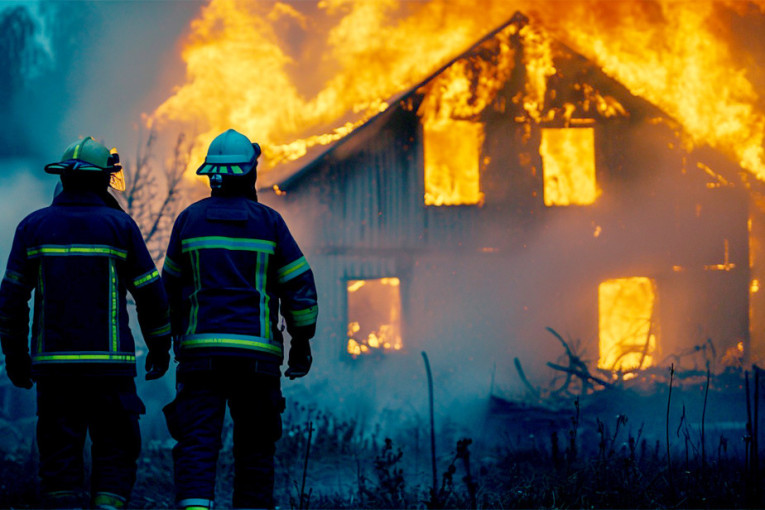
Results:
<point x="80" y="256"/>
<point x="231" y="267"/>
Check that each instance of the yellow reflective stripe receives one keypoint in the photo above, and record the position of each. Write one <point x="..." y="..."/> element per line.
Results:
<point x="303" y="317"/>
<point x="113" y="308"/>
<point x="108" y="499"/>
<point x="76" y="249"/>
<point x="230" y="340"/>
<point x="146" y="278"/>
<point x="293" y="269"/>
<point x="228" y="243"/>
<point x="171" y="267"/>
<point x="261" y="272"/>
<point x="15" y="277"/>
<point x="164" y="330"/>
<point x="84" y="358"/>
<point x="194" y="297"/>
<point x="77" y="150"/>
<point x="41" y="323"/>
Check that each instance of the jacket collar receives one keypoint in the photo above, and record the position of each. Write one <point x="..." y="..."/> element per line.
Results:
<point x="78" y="198"/>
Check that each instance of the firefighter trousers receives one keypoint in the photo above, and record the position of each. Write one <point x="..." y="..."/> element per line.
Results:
<point x="195" y="419"/>
<point x="69" y="407"/>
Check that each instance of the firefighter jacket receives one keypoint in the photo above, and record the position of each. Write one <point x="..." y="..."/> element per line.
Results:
<point x="81" y="256"/>
<point x="230" y="265"/>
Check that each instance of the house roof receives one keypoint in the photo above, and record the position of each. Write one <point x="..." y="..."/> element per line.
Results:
<point x="287" y="175"/>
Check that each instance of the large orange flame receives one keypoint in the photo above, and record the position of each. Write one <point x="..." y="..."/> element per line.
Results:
<point x="298" y="74"/>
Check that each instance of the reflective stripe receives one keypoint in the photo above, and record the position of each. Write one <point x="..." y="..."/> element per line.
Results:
<point x="108" y="500"/>
<point x="261" y="272"/>
<point x="76" y="250"/>
<point x="172" y="268"/>
<point x="194" y="295"/>
<point x="253" y="343"/>
<point x="192" y="502"/>
<point x="41" y="317"/>
<point x="146" y="278"/>
<point x="114" y="330"/>
<point x="15" y="278"/>
<point x="304" y="317"/>
<point x="83" y="357"/>
<point x="293" y="270"/>
<point x="164" y="330"/>
<point x="227" y="243"/>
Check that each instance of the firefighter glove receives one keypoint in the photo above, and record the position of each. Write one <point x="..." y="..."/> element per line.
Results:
<point x="19" y="368"/>
<point x="157" y="364"/>
<point x="299" y="362"/>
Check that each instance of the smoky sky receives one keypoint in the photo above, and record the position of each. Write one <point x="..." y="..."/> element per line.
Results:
<point x="73" y="69"/>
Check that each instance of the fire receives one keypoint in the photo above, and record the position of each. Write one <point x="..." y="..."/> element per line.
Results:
<point x="568" y="157"/>
<point x="281" y="72"/>
<point x="627" y="325"/>
<point x="452" y="151"/>
<point x="374" y="316"/>
<point x="673" y="54"/>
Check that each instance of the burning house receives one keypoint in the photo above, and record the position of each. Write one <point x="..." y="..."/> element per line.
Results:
<point x="518" y="188"/>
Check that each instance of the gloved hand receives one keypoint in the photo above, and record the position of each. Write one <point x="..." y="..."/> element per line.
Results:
<point x="299" y="362"/>
<point x="157" y="364"/>
<point x="19" y="368"/>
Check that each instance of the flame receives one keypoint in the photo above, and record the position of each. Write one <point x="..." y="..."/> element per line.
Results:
<point x="374" y="316"/>
<point x="627" y="336"/>
<point x="452" y="151"/>
<point x="282" y="72"/>
<point x="568" y="158"/>
<point x="673" y="54"/>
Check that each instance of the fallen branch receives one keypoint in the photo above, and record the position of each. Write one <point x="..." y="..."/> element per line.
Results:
<point x="582" y="374"/>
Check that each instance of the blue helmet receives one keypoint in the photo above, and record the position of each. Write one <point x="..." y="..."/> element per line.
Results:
<point x="230" y="153"/>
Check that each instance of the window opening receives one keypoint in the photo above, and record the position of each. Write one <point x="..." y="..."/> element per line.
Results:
<point x="452" y="158"/>
<point x="568" y="160"/>
<point x="374" y="316"/>
<point x="627" y="323"/>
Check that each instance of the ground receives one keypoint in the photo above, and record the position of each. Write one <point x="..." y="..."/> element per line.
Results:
<point x="578" y="454"/>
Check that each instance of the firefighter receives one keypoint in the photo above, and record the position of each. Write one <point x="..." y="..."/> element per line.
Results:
<point x="80" y="255"/>
<point x="231" y="264"/>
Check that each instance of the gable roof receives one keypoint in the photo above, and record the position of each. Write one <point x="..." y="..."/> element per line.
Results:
<point x="287" y="175"/>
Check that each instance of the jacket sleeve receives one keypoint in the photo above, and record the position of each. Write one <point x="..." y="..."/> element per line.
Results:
<point x="172" y="278"/>
<point x="297" y="289"/>
<point x="145" y="284"/>
<point x="15" y="291"/>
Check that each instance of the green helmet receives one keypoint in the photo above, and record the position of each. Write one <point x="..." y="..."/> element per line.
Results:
<point x="86" y="155"/>
<point x="230" y="153"/>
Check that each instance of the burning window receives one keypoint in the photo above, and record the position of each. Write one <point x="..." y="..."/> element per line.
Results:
<point x="452" y="154"/>
<point x="568" y="159"/>
<point x="627" y="336"/>
<point x="374" y="316"/>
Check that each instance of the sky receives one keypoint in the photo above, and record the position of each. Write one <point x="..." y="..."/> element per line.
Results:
<point x="99" y="67"/>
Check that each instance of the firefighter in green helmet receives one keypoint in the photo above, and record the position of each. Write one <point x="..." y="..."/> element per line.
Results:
<point x="80" y="256"/>
<point x="232" y="267"/>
